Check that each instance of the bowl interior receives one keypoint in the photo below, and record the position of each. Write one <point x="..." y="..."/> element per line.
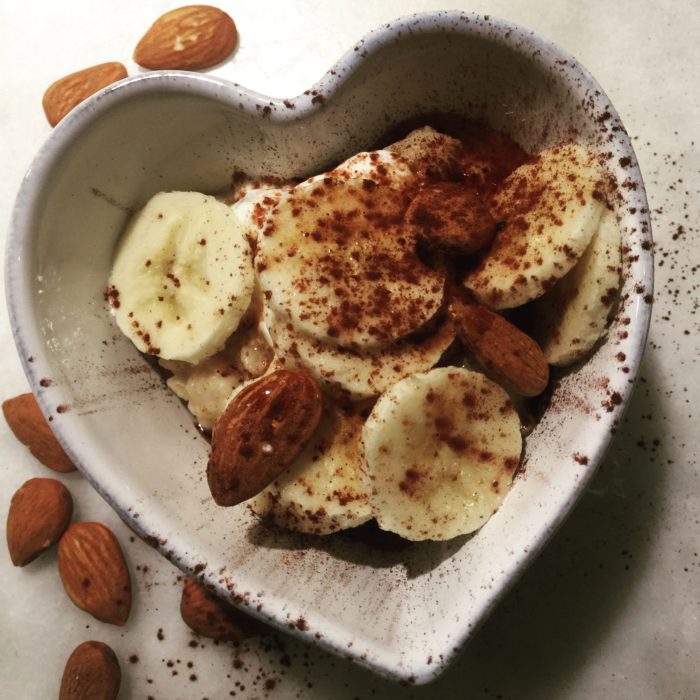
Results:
<point x="136" y="442"/>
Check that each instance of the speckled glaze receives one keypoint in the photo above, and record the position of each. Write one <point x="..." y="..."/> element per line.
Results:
<point x="403" y="612"/>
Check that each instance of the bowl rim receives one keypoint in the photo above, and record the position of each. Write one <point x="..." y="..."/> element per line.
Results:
<point x="19" y="281"/>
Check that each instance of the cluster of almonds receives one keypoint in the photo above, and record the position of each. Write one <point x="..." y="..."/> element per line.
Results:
<point x="91" y="563"/>
<point x="193" y="37"/>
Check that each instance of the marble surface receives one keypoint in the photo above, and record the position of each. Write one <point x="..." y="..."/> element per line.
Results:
<point x="612" y="607"/>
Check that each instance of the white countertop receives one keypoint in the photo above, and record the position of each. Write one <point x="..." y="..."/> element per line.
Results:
<point x="611" y="609"/>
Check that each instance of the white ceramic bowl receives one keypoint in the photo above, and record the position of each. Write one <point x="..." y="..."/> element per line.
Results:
<point x="404" y="613"/>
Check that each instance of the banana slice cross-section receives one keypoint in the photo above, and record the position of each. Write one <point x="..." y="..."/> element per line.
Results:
<point x="381" y="167"/>
<point x="550" y="207"/>
<point x="182" y="277"/>
<point x="335" y="260"/>
<point x="359" y="375"/>
<point x="441" y="450"/>
<point x="570" y="318"/>
<point x="324" y="490"/>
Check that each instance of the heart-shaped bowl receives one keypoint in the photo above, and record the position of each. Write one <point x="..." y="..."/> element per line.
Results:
<point x="403" y="612"/>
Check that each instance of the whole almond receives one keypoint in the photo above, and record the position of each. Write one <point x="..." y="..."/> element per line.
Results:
<point x="27" y="422"/>
<point x="94" y="572"/>
<point x="262" y="431"/>
<point x="507" y="355"/>
<point x="188" y="38"/>
<point x="208" y="615"/>
<point x="68" y="92"/>
<point x="92" y="672"/>
<point x="40" y="511"/>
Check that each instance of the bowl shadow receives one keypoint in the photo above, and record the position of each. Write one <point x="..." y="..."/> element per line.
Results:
<point x="568" y="602"/>
<point x="366" y="545"/>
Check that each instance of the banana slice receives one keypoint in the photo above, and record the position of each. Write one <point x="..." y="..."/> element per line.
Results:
<point x="324" y="490"/>
<point x="441" y="450"/>
<point x="382" y="167"/>
<point x="336" y="261"/>
<point x="253" y="203"/>
<point x="571" y="317"/>
<point x="182" y="276"/>
<point x="358" y="375"/>
<point x="551" y="207"/>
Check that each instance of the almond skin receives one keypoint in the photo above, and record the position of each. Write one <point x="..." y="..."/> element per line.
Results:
<point x="508" y="356"/>
<point x="92" y="672"/>
<point x="188" y="38"/>
<point x="39" y="514"/>
<point x="208" y="615"/>
<point x="27" y="422"/>
<point x="68" y="92"/>
<point x="94" y="572"/>
<point x="262" y="431"/>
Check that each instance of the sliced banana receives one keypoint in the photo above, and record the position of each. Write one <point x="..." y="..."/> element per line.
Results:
<point x="182" y="277"/>
<point x="358" y="375"/>
<point x="253" y="205"/>
<point x="551" y="207"/>
<point x="324" y="491"/>
<point x="441" y="450"/>
<point x="571" y="317"/>
<point x="336" y="261"/>
<point x="383" y="167"/>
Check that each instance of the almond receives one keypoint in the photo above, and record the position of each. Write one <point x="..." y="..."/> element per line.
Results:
<point x="92" y="672"/>
<point x="70" y="91"/>
<point x="27" y="422"/>
<point x="39" y="514"/>
<point x="208" y="615"/>
<point x="260" y="433"/>
<point x="188" y="38"/>
<point x="94" y="572"/>
<point x="450" y="217"/>
<point x="507" y="355"/>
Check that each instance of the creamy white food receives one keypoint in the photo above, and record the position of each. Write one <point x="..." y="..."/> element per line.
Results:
<point x="182" y="277"/>
<point x="335" y="260"/>
<point x="353" y="374"/>
<point x="324" y="490"/>
<point x="207" y="386"/>
<point x="324" y="275"/>
<point x="573" y="315"/>
<point x="551" y="207"/>
<point x="441" y="450"/>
